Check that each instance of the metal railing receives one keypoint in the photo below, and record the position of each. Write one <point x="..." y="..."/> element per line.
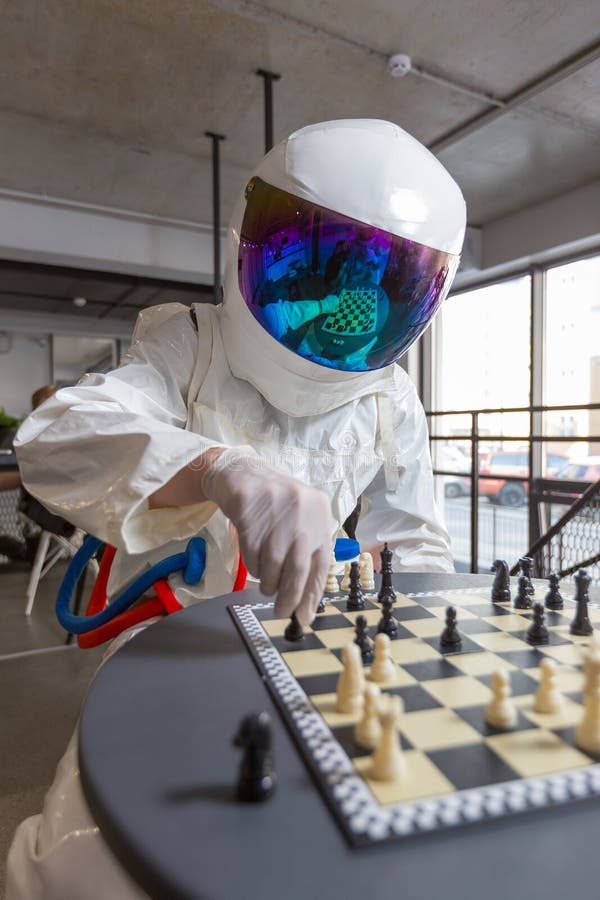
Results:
<point x="536" y="500"/>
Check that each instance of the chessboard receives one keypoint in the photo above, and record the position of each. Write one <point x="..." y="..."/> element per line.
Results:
<point x="356" y="313"/>
<point x="460" y="770"/>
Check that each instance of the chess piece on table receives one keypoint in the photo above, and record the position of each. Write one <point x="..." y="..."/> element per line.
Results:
<point x="553" y="599"/>
<point x="537" y="633"/>
<point x="257" y="778"/>
<point x="367" y="732"/>
<point x="367" y="579"/>
<point x="321" y="606"/>
<point x="355" y="597"/>
<point x="523" y="597"/>
<point x="547" y="699"/>
<point x="363" y="641"/>
<point x="526" y="565"/>
<point x="331" y="585"/>
<point x="351" y="683"/>
<point x="450" y="636"/>
<point x="501" y="712"/>
<point x="383" y="670"/>
<point x="345" y="585"/>
<point x="294" y="630"/>
<point x="387" y="623"/>
<point x="581" y="623"/>
<point x="501" y="585"/>
<point x="388" y="762"/>
<point x="587" y="733"/>
<point x="386" y="589"/>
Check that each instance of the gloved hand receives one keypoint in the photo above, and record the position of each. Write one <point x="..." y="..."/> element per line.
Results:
<point x="330" y="303"/>
<point x="284" y="527"/>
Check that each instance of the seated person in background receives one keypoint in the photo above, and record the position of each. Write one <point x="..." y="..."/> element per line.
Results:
<point x="213" y="425"/>
<point x="24" y="549"/>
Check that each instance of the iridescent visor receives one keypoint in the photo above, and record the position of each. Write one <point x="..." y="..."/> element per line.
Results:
<point x="332" y="289"/>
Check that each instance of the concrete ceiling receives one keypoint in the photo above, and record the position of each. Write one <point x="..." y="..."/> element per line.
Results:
<point x="107" y="101"/>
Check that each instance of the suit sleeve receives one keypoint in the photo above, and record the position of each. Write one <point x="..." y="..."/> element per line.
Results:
<point x="407" y="517"/>
<point x="95" y="452"/>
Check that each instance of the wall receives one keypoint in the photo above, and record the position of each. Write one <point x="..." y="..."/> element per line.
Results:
<point x="24" y="367"/>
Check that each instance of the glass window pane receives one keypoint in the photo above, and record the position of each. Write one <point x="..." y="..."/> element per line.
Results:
<point x="75" y="355"/>
<point x="482" y="340"/>
<point x="572" y="368"/>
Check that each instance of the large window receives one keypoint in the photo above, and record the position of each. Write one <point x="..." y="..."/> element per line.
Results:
<point x="513" y="345"/>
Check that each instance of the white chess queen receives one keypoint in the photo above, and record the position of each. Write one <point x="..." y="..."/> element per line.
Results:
<point x="272" y="413"/>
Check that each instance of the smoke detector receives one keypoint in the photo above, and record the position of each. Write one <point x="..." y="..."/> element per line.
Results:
<point x="399" y="65"/>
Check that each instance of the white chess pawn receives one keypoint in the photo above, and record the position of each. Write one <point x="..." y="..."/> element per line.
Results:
<point x="351" y="683"/>
<point x="331" y="585"/>
<point x="548" y="698"/>
<point x="501" y="711"/>
<point x="368" y="730"/>
<point x="367" y="579"/>
<point x="388" y="763"/>
<point x="587" y="733"/>
<point x="383" y="670"/>
<point x="345" y="585"/>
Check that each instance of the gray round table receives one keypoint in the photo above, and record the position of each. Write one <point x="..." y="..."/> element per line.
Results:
<point x="158" y="770"/>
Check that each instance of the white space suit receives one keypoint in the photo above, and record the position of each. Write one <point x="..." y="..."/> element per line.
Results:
<point x="96" y="452"/>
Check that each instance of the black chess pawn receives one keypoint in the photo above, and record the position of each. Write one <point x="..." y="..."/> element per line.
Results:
<point x="501" y="585"/>
<point x="355" y="599"/>
<point x="450" y="636"/>
<point x="553" y="599"/>
<point x="387" y="623"/>
<point x="257" y="778"/>
<point x="294" y="630"/>
<point x="581" y="623"/>
<point x="386" y="589"/>
<point x="362" y="639"/>
<point x="523" y="597"/>
<point x="526" y="564"/>
<point x="537" y="632"/>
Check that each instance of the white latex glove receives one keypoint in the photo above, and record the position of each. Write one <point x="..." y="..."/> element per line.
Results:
<point x="330" y="303"/>
<point x="284" y="527"/>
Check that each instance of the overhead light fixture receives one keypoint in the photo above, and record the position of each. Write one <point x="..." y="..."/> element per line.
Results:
<point x="79" y="301"/>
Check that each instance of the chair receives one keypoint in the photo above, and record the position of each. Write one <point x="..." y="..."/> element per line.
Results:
<point x="51" y="548"/>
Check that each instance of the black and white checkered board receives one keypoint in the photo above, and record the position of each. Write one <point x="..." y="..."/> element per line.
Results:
<point x="356" y="314"/>
<point x="459" y="770"/>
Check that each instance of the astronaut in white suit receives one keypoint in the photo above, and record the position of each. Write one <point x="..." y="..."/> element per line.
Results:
<point x="256" y="435"/>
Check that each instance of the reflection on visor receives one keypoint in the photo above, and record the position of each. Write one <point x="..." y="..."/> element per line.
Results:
<point x="332" y="289"/>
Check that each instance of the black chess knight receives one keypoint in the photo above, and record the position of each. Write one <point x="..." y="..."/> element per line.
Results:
<point x="257" y="778"/>
<point x="501" y="585"/>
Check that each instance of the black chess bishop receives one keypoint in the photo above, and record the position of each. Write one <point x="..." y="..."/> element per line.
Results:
<point x="553" y="599"/>
<point x="537" y="632"/>
<point x="362" y="639"/>
<point x="450" y="637"/>
<point x="355" y="599"/>
<point x="387" y="623"/>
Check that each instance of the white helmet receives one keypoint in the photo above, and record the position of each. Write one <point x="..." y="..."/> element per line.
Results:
<point x="340" y="251"/>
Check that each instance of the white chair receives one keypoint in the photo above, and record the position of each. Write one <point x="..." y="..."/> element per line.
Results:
<point x="51" y="548"/>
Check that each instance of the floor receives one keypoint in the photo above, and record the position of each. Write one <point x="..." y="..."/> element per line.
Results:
<point x="42" y="684"/>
